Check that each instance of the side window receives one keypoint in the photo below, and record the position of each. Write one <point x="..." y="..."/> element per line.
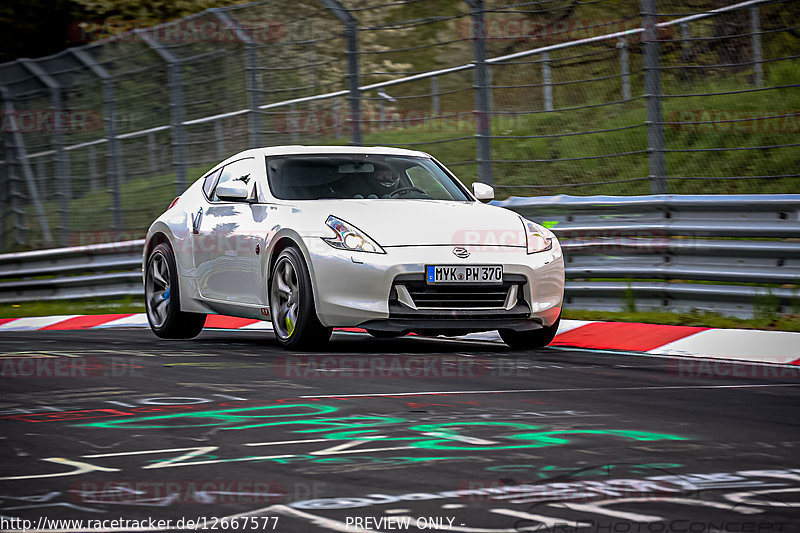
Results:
<point x="241" y="170"/>
<point x="210" y="182"/>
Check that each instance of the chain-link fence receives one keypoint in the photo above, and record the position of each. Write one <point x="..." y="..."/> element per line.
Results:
<point x="534" y="97"/>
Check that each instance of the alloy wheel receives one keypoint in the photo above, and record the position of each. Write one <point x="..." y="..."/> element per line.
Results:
<point x="158" y="290"/>
<point x="285" y="298"/>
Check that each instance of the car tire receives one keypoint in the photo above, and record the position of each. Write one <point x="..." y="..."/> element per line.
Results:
<point x="526" y="340"/>
<point x="291" y="300"/>
<point x="162" y="298"/>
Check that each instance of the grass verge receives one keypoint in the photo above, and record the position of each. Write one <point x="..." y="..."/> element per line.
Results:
<point x="76" y="307"/>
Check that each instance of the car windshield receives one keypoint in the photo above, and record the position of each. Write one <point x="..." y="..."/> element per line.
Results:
<point x="360" y="176"/>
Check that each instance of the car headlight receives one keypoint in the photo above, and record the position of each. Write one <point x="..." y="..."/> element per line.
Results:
<point x="349" y="237"/>
<point x="538" y="240"/>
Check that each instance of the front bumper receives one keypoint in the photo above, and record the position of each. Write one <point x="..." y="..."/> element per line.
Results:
<point x="355" y="288"/>
<point x="459" y="326"/>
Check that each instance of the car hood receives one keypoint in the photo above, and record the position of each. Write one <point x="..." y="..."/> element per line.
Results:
<point x="430" y="222"/>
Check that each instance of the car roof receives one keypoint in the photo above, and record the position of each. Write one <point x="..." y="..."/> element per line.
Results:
<point x="296" y="149"/>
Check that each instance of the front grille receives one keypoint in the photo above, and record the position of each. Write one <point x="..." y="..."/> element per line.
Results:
<point x="451" y="297"/>
<point x="412" y="296"/>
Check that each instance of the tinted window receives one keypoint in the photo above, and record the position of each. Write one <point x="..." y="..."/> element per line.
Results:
<point x="241" y="170"/>
<point x="316" y="177"/>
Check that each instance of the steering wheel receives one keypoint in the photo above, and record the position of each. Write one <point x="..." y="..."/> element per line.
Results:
<point x="406" y="189"/>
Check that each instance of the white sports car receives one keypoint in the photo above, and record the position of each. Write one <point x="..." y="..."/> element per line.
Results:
<point x="318" y="237"/>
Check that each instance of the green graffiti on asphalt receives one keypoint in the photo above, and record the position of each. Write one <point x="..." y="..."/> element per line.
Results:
<point x="446" y="436"/>
<point x="537" y="439"/>
<point x="222" y="416"/>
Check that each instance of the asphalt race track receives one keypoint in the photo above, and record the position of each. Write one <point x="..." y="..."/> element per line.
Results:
<point x="229" y="432"/>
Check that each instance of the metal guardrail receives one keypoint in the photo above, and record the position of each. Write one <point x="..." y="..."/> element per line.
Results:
<point x="94" y="271"/>
<point x="737" y="255"/>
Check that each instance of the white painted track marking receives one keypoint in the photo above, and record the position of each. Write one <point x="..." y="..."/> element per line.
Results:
<point x="139" y="320"/>
<point x="737" y="344"/>
<point x="36" y="322"/>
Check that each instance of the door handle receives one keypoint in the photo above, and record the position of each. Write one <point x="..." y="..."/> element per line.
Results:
<point x="196" y="220"/>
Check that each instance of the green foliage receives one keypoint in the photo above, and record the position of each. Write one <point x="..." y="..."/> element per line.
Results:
<point x="766" y="305"/>
<point x="629" y="299"/>
<point x="97" y="306"/>
<point x="144" y="11"/>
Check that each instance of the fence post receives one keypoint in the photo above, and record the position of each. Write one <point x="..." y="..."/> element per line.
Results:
<point x="62" y="174"/>
<point x="351" y="34"/>
<point x="114" y="152"/>
<point x="294" y="123"/>
<point x="547" y="87"/>
<point x="381" y="114"/>
<point x="686" y="44"/>
<point x="490" y="86"/>
<point x="625" y="69"/>
<point x="16" y="146"/>
<point x="435" y="109"/>
<point x="252" y="75"/>
<point x="92" y="164"/>
<point x="755" y="32"/>
<point x="40" y="173"/>
<point x="4" y="195"/>
<point x="175" y="82"/>
<point x="219" y="141"/>
<point x="351" y="43"/>
<point x="652" y="95"/>
<point x="483" y="126"/>
<point x="337" y="118"/>
<point x="62" y="162"/>
<point x="14" y="195"/>
<point x="152" y="149"/>
<point x="64" y="189"/>
<point x="11" y="192"/>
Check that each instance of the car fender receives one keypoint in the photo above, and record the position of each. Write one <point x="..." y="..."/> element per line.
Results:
<point x="175" y="229"/>
<point x="274" y="240"/>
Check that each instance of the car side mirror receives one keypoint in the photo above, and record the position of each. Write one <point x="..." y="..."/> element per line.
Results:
<point x="232" y="191"/>
<point x="483" y="192"/>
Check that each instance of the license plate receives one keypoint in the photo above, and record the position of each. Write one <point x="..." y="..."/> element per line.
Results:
<point x="483" y="274"/>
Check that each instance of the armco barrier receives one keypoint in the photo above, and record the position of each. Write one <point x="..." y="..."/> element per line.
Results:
<point x="737" y="255"/>
<point x="99" y="270"/>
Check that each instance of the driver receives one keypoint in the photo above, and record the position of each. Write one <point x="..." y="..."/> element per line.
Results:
<point x="387" y="181"/>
